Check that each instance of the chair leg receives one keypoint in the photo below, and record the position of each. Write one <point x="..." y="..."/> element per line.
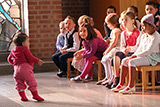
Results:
<point x="92" y="73"/>
<point x="143" y="80"/>
<point x="99" y="71"/>
<point x="153" y="79"/>
<point x="68" y="68"/>
<point x="147" y="78"/>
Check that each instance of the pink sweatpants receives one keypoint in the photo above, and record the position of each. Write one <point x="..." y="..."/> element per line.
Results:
<point x="23" y="73"/>
<point x="88" y="66"/>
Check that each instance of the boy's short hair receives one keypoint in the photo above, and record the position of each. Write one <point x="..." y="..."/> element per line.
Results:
<point x="19" y="38"/>
<point x="134" y="8"/>
<point x="151" y="3"/>
<point x="70" y="17"/>
<point x="112" y="7"/>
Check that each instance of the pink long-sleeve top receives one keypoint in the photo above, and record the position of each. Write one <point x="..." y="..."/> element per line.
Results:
<point x="132" y="40"/>
<point x="20" y="55"/>
<point x="94" y="47"/>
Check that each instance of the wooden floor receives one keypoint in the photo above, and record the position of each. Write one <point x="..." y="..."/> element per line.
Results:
<point x="60" y="92"/>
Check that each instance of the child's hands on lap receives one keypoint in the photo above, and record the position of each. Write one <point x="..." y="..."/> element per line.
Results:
<point x="131" y="57"/>
<point x="63" y="51"/>
<point x="40" y="62"/>
<point x="127" y="50"/>
<point x="79" y="52"/>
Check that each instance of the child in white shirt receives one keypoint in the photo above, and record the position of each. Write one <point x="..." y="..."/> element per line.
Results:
<point x="146" y="54"/>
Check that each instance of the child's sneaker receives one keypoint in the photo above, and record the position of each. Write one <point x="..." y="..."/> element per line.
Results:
<point x="87" y="78"/>
<point x="76" y="79"/>
<point x="128" y="90"/>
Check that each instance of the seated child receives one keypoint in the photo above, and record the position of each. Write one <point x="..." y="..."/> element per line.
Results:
<point x="130" y="39"/>
<point x="72" y="44"/>
<point x="148" y="53"/>
<point x="61" y="38"/>
<point x="79" y="64"/>
<point x="134" y="9"/>
<point x="94" y="48"/>
<point x="150" y="8"/>
<point x="113" y="24"/>
<point x="110" y="9"/>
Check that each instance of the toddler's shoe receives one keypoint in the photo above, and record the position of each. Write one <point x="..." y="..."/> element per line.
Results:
<point x="76" y="79"/>
<point x="118" y="88"/>
<point x="128" y="90"/>
<point x="36" y="96"/>
<point x="23" y="96"/>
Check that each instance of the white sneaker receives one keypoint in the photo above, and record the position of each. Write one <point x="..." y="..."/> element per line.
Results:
<point x="128" y="90"/>
<point x="76" y="79"/>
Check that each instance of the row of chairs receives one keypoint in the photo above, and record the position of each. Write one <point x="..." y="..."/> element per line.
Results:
<point x="143" y="69"/>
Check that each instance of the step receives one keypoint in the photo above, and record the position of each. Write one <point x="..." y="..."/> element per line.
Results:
<point x="48" y="66"/>
<point x="5" y="68"/>
<point x="3" y="56"/>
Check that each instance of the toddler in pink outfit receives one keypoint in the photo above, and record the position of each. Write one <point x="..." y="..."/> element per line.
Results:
<point x="22" y="60"/>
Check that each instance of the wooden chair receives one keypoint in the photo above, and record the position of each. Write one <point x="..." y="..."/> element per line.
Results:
<point x="98" y="62"/>
<point x="69" y="60"/>
<point x="145" y="77"/>
<point x="145" y="74"/>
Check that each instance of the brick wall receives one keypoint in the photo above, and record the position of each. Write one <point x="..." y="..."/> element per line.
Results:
<point x="75" y="8"/>
<point x="44" y="17"/>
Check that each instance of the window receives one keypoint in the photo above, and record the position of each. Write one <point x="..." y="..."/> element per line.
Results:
<point x="10" y="21"/>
